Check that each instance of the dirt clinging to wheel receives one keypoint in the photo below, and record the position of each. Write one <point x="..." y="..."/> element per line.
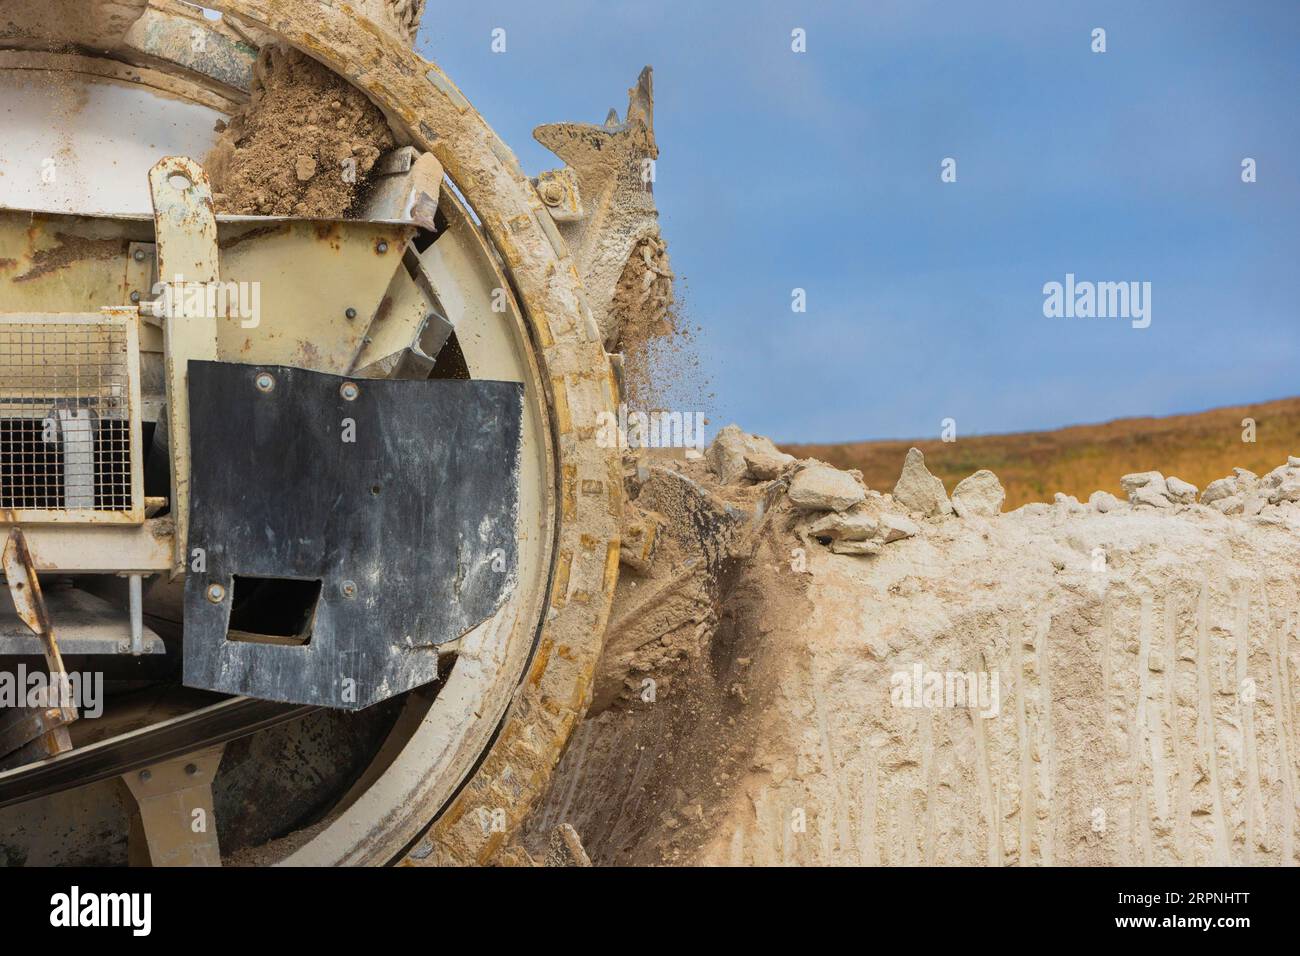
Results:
<point x="304" y="145"/>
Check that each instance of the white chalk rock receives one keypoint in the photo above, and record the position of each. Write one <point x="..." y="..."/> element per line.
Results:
<point x="1068" y="502"/>
<point x="856" y="524"/>
<point x="855" y="547"/>
<point x="764" y="467"/>
<point x="1180" y="492"/>
<point x="1254" y="502"/>
<point x="1288" y="490"/>
<point x="979" y="494"/>
<point x="1219" y="489"/>
<point x="820" y="487"/>
<point x="1142" y="479"/>
<point x="918" y="490"/>
<point x="1275" y="477"/>
<point x="1150" y="496"/>
<point x="897" y="527"/>
<point x="1232" y="505"/>
<point x="1146" y="488"/>
<point x="726" y="455"/>
<point x="1103" y="501"/>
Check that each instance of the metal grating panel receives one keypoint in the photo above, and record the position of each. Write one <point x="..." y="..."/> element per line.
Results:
<point x="69" y="423"/>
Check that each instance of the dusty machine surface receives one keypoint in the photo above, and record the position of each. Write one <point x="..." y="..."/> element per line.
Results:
<point x="305" y="520"/>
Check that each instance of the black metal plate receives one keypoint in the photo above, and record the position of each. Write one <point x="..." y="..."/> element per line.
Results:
<point x="417" y="513"/>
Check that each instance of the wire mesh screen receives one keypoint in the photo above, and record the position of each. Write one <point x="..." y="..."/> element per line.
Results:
<point x="65" y="417"/>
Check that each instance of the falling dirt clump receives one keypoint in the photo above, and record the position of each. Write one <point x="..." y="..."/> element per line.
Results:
<point x="661" y="364"/>
<point x="304" y="145"/>
<point x="644" y="294"/>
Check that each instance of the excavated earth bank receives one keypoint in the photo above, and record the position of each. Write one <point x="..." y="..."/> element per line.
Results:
<point x="1134" y="672"/>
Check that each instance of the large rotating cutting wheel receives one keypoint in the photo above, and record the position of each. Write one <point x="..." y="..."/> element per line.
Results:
<point x="444" y="772"/>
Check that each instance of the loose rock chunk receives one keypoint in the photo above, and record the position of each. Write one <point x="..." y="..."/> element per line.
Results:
<point x="980" y="494"/>
<point x="819" y="487"/>
<point x="726" y="455"/>
<point x="918" y="490"/>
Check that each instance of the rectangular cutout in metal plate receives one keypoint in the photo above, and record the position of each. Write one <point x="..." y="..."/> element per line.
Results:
<point x="374" y="520"/>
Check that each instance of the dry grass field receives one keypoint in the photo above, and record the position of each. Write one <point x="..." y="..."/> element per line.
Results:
<point x="1078" y="460"/>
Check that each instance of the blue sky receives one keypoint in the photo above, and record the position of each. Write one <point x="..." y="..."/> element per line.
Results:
<point x="821" y="171"/>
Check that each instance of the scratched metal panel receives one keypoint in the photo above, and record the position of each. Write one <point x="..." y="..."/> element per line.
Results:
<point x="53" y="158"/>
<point x="410" y="526"/>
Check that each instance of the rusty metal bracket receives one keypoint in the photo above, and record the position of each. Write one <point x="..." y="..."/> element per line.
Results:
<point x="174" y="823"/>
<point x="43" y="728"/>
<point x="30" y="734"/>
<point x="185" y="232"/>
<point x="25" y="589"/>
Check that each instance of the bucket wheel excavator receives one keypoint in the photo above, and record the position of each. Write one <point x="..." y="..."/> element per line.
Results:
<point x="309" y="542"/>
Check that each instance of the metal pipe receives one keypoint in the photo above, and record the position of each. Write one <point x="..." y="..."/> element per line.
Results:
<point x="136" y="587"/>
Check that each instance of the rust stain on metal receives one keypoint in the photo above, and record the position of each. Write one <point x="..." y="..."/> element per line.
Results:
<point x="71" y="249"/>
<point x="257" y="233"/>
<point x="540" y="661"/>
<point x="29" y="603"/>
<point x="310" y="354"/>
<point x="25" y="589"/>
<point x="330" y="233"/>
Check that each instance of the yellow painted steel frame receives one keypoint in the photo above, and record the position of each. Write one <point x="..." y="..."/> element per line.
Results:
<point x="185" y="234"/>
<point x="305" y="272"/>
<point x="421" y="101"/>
